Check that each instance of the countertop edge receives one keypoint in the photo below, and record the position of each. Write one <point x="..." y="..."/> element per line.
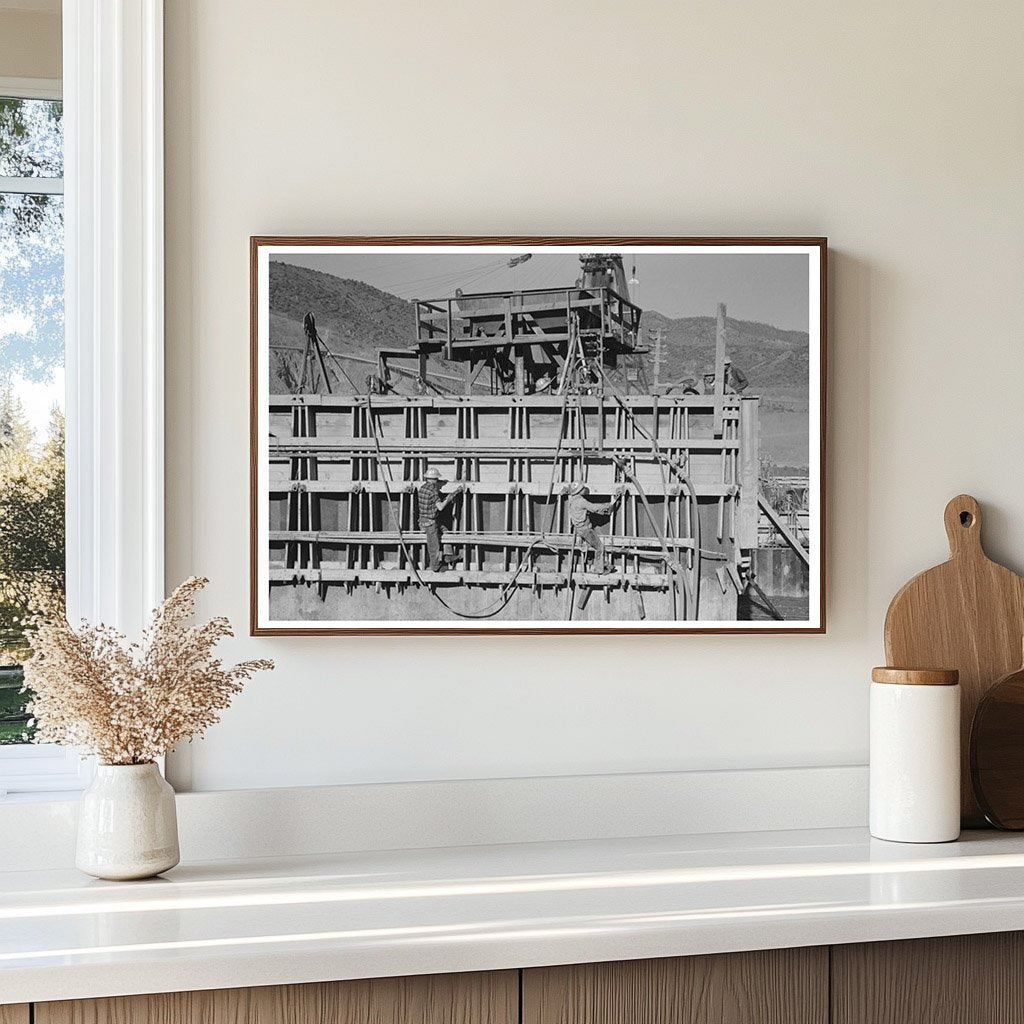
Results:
<point x="244" y="968"/>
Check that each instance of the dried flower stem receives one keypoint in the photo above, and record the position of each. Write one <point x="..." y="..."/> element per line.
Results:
<point x="129" y="703"/>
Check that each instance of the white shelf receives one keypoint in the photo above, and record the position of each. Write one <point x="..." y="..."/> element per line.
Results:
<point x="352" y="915"/>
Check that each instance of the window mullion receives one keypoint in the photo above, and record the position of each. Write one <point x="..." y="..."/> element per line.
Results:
<point x="32" y="186"/>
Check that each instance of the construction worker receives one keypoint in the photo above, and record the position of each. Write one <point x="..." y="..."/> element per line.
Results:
<point x="430" y="503"/>
<point x="581" y="509"/>
<point x="736" y="380"/>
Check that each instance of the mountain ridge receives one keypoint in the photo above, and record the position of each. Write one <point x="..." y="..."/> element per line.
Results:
<point x="358" y="318"/>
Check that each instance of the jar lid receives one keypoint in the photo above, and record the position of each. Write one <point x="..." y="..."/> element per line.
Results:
<point x="916" y="676"/>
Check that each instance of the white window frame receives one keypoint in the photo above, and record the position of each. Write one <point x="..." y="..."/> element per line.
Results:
<point x="114" y="326"/>
<point x="37" y="767"/>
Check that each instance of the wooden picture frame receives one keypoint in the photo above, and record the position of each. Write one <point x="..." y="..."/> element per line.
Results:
<point x="704" y="491"/>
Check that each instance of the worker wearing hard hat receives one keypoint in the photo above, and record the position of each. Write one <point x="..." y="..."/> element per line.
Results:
<point x="581" y="511"/>
<point x="430" y="503"/>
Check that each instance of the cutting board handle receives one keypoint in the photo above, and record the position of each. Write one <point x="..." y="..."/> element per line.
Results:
<point x="963" y="527"/>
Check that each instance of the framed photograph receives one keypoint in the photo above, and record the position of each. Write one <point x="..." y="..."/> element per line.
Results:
<point x="537" y="435"/>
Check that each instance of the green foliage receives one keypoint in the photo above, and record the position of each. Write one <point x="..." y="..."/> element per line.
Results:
<point x="31" y="347"/>
<point x="31" y="138"/>
<point x="31" y="520"/>
<point x="14" y="726"/>
<point x="31" y="544"/>
<point x="31" y="145"/>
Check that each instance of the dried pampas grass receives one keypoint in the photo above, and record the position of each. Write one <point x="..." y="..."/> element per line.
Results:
<point x="130" y="703"/>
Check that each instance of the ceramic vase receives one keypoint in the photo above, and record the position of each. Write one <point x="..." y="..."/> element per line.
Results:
<point x="127" y="825"/>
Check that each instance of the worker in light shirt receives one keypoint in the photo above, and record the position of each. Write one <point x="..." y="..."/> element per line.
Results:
<point x="581" y="513"/>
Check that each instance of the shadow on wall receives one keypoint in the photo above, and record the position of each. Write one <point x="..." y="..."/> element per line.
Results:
<point x="854" y="287"/>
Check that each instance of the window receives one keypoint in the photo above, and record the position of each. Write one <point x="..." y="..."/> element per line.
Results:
<point x="32" y="523"/>
<point x="112" y="213"/>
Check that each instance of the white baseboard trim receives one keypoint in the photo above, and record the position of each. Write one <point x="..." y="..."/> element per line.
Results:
<point x="242" y="824"/>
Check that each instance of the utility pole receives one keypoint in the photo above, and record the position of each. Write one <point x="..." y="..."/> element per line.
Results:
<point x="719" y="369"/>
<point x="656" y="340"/>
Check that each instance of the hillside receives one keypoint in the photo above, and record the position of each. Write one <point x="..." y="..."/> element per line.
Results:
<point x="355" y="319"/>
<point x="774" y="360"/>
<point x="355" y="313"/>
<point x="352" y="317"/>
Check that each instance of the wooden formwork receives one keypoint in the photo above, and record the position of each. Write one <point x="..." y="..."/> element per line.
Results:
<point x="344" y="469"/>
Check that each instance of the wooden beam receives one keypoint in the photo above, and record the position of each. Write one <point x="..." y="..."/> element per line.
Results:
<point x="694" y="403"/>
<point x="719" y="368"/>
<point x="489" y="446"/>
<point x="519" y="540"/>
<point x="485" y="488"/>
<point x="749" y="472"/>
<point x="319" y="346"/>
<point x="500" y="340"/>
<point x="783" y="529"/>
<point x="472" y="372"/>
<point x="464" y="577"/>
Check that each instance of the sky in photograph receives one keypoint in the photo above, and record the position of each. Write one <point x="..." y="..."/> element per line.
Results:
<point x="770" y="288"/>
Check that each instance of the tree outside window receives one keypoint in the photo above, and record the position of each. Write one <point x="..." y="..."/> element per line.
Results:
<point x="32" y="530"/>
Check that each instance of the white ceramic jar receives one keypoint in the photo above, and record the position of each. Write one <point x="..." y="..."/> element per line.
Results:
<point x="127" y="823"/>
<point x="915" y="755"/>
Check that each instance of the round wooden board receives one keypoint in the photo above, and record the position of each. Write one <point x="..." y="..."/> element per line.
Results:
<point x="997" y="752"/>
<point x="968" y="614"/>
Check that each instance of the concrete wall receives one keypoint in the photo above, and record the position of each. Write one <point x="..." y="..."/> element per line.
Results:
<point x="895" y="129"/>
<point x="30" y="43"/>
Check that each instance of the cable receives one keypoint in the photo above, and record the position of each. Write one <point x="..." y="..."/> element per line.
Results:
<point x="454" y="276"/>
<point x="695" y="531"/>
<point x="670" y="563"/>
<point x="337" y="362"/>
<point x="506" y="594"/>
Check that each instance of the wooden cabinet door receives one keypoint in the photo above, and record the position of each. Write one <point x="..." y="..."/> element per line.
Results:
<point x="778" y="986"/>
<point x="961" y="979"/>
<point x="14" y="1014"/>
<point x="491" y="998"/>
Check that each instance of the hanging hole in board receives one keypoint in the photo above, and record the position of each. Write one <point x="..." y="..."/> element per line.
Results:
<point x="966" y="519"/>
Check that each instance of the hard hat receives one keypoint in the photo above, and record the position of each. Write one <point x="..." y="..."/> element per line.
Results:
<point x="431" y="474"/>
<point x="577" y="487"/>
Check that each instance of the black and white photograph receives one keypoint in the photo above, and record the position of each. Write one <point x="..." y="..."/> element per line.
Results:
<point x="537" y="435"/>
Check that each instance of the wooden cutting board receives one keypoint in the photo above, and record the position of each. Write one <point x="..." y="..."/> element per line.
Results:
<point x="967" y="614"/>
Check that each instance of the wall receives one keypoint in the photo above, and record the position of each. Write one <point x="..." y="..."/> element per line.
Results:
<point x="30" y="41"/>
<point x="895" y="129"/>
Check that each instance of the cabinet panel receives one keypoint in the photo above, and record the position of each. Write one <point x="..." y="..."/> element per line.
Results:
<point x="14" y="1014"/>
<point x="778" y="986"/>
<point x="484" y="998"/>
<point x="962" y="979"/>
